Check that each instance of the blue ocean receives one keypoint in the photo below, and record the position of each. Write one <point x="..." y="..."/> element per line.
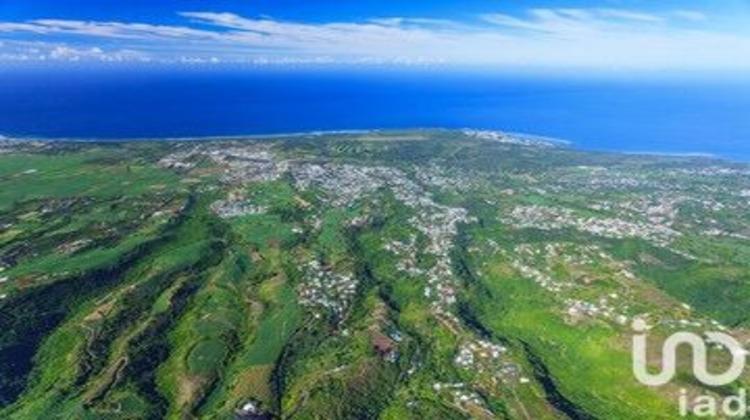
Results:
<point x="617" y="114"/>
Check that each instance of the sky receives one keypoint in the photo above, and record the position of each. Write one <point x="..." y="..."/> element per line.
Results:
<point x="699" y="35"/>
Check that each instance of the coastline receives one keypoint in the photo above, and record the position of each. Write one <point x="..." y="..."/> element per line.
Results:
<point x="550" y="141"/>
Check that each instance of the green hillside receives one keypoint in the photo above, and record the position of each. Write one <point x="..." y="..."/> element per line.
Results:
<point x="428" y="274"/>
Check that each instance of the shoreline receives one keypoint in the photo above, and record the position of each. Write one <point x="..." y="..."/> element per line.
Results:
<point x="552" y="141"/>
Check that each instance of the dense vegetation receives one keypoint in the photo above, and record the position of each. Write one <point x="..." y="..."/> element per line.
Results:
<point x="424" y="274"/>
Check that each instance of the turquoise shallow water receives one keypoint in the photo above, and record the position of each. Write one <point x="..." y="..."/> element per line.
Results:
<point x="631" y="116"/>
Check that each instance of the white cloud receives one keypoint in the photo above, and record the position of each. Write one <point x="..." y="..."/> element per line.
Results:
<point x="690" y="15"/>
<point x="546" y="37"/>
<point x="64" y="52"/>
<point x="43" y="51"/>
<point x="629" y="15"/>
<point x="106" y="29"/>
<point x="575" y="21"/>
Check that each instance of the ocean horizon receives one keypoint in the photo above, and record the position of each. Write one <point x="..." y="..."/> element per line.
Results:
<point x="670" y="117"/>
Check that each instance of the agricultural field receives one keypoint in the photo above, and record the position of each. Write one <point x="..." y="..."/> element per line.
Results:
<point x="425" y="274"/>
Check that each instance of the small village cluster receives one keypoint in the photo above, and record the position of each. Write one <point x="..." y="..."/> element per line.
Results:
<point x="556" y="218"/>
<point x="483" y="356"/>
<point x="236" y="208"/>
<point x="458" y="390"/>
<point x="439" y="224"/>
<point x="438" y="177"/>
<point x="248" y="164"/>
<point x="184" y="160"/>
<point x="406" y="251"/>
<point x="710" y="171"/>
<point x="541" y="278"/>
<point x="342" y="184"/>
<point x="581" y="301"/>
<point x="659" y="209"/>
<point x="656" y="207"/>
<point x="10" y="145"/>
<point x="508" y="138"/>
<point x="441" y="227"/>
<point x="724" y="233"/>
<point x="605" y="308"/>
<point x="242" y="164"/>
<point x="600" y="179"/>
<point x="325" y="291"/>
<point x="663" y="209"/>
<point x="541" y="263"/>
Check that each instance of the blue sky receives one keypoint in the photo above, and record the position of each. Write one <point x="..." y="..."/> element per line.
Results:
<point x="616" y="34"/>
